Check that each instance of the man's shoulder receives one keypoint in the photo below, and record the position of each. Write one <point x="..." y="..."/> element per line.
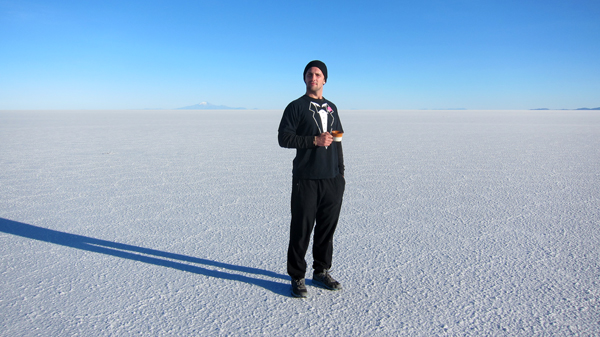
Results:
<point x="300" y="100"/>
<point x="298" y="103"/>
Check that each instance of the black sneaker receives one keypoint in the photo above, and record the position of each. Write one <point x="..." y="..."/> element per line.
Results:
<point x="299" y="288"/>
<point x="326" y="281"/>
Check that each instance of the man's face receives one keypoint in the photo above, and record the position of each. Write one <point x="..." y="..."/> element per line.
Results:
<point x="314" y="79"/>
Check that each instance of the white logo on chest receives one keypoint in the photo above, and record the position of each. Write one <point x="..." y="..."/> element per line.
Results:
<point x="323" y="110"/>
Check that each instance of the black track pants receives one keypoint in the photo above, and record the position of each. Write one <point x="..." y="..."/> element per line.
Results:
<point x="314" y="201"/>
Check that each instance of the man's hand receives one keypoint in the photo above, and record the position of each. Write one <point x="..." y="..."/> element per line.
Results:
<point x="324" y="139"/>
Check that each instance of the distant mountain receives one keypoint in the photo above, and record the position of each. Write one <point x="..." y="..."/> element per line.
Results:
<point x="568" y="109"/>
<point x="446" y="109"/>
<point x="208" y="106"/>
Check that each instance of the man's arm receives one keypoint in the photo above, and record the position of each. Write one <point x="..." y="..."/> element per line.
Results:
<point x="287" y="136"/>
<point x="290" y="140"/>
<point x="340" y="157"/>
<point x="293" y="141"/>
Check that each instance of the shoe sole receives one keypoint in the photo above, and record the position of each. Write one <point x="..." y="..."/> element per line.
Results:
<point x="299" y="295"/>
<point x="323" y="285"/>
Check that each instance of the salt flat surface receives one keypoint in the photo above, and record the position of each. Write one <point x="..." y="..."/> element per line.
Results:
<point x="171" y="223"/>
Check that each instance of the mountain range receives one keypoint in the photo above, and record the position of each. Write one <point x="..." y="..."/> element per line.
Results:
<point x="569" y="109"/>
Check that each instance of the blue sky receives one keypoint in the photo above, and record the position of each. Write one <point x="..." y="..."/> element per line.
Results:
<point x="380" y="54"/>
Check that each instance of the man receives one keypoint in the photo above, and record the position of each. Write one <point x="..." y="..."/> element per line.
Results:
<point x="318" y="179"/>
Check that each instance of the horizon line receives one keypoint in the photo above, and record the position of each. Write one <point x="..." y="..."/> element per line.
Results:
<point x="258" y="109"/>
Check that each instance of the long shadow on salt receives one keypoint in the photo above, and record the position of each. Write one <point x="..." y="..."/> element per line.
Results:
<point x="146" y="255"/>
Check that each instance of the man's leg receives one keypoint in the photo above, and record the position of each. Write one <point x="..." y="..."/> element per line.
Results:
<point x="303" y="205"/>
<point x="328" y="212"/>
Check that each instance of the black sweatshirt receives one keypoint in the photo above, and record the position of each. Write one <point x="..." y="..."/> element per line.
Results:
<point x="300" y="123"/>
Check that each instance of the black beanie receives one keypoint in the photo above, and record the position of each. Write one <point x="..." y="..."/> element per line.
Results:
<point x="318" y="64"/>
